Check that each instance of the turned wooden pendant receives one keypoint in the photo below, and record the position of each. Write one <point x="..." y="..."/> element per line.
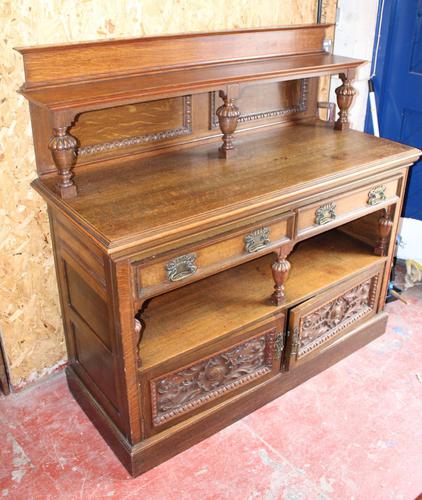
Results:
<point x="345" y="95"/>
<point x="385" y="225"/>
<point x="63" y="149"/>
<point x="280" y="270"/>
<point x="228" y="116"/>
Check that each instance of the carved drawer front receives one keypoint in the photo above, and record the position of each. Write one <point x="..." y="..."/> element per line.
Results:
<point x="338" y="209"/>
<point x="188" y="264"/>
<point x="322" y="321"/>
<point x="208" y="380"/>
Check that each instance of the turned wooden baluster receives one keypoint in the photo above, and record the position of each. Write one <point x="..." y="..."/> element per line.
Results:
<point x="228" y="116"/>
<point x="280" y="269"/>
<point x="385" y="225"/>
<point x="345" y="95"/>
<point x="63" y="150"/>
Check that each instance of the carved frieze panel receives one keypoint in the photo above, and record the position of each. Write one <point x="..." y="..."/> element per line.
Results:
<point x="112" y="129"/>
<point x="325" y="322"/>
<point x="192" y="386"/>
<point x="269" y="101"/>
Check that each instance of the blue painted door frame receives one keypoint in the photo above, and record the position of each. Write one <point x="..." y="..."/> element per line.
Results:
<point x="398" y="86"/>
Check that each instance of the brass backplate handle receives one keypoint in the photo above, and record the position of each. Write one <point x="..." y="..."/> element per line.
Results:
<point x="257" y="240"/>
<point x="377" y="195"/>
<point x="325" y="214"/>
<point x="181" y="267"/>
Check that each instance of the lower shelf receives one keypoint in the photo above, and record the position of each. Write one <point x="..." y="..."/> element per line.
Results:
<point x="197" y="315"/>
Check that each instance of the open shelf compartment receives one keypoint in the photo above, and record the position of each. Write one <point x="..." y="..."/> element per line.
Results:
<point x="196" y="315"/>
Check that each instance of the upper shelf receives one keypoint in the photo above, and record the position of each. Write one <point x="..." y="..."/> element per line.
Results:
<point x="94" y="75"/>
<point x="93" y="95"/>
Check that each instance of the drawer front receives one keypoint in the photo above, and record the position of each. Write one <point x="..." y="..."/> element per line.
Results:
<point x="333" y="211"/>
<point x="177" y="394"/>
<point x="166" y="272"/>
<point x="318" y="323"/>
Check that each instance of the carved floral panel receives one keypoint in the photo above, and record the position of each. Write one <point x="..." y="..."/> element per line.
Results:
<point x="186" y="389"/>
<point x="325" y="322"/>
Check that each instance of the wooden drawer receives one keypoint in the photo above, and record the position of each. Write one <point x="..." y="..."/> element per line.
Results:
<point x="339" y="209"/>
<point x="191" y="263"/>
<point x="319" y="322"/>
<point x="191" y="383"/>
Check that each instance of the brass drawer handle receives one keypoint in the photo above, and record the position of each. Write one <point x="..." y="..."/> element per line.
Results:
<point x="325" y="213"/>
<point x="377" y="195"/>
<point x="257" y="239"/>
<point x="181" y="267"/>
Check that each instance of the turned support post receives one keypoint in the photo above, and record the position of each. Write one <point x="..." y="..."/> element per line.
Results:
<point x="345" y="95"/>
<point x="228" y="115"/>
<point x="385" y="225"/>
<point x="63" y="150"/>
<point x="280" y="270"/>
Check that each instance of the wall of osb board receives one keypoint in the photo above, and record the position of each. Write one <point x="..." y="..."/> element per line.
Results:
<point x="29" y="305"/>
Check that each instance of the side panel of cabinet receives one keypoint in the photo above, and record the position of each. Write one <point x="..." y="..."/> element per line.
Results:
<point x="319" y="322"/>
<point x="88" y="318"/>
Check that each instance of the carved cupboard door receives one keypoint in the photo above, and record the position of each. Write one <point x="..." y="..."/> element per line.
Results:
<point x="326" y="319"/>
<point x="177" y="390"/>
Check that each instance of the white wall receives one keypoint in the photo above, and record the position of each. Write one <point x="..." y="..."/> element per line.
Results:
<point x="354" y="37"/>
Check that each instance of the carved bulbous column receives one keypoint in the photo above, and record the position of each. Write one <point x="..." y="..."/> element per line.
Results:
<point x="385" y="225"/>
<point x="280" y="270"/>
<point x="228" y="116"/>
<point x="345" y="95"/>
<point x="63" y="149"/>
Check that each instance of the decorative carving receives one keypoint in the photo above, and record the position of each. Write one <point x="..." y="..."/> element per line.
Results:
<point x="280" y="270"/>
<point x="186" y="129"/>
<point x="63" y="150"/>
<point x="325" y="213"/>
<point x="278" y="345"/>
<point x="181" y="267"/>
<point x="328" y="320"/>
<point x="257" y="239"/>
<point x="260" y="115"/>
<point x="385" y="225"/>
<point x="228" y="115"/>
<point x="376" y="195"/>
<point x="186" y="389"/>
<point x="345" y="95"/>
<point x="295" y="341"/>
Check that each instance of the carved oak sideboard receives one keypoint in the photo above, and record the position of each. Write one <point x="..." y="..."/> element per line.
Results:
<point x="216" y="243"/>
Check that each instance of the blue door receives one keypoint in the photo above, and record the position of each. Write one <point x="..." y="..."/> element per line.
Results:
<point x="398" y="86"/>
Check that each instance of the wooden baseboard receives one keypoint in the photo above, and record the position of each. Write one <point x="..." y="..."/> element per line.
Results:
<point x="151" y="452"/>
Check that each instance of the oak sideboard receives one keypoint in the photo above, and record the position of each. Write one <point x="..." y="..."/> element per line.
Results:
<point x="216" y="243"/>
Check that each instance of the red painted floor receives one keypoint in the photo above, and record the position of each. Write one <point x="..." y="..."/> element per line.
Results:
<point x="352" y="432"/>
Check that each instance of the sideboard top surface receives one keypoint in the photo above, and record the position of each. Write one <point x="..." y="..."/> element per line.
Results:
<point x="136" y="201"/>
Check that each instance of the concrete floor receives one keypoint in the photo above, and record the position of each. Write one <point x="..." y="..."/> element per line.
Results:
<point x="352" y="432"/>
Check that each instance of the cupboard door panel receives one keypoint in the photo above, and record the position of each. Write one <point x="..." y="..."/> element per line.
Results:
<point x="220" y="371"/>
<point x="321" y="321"/>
